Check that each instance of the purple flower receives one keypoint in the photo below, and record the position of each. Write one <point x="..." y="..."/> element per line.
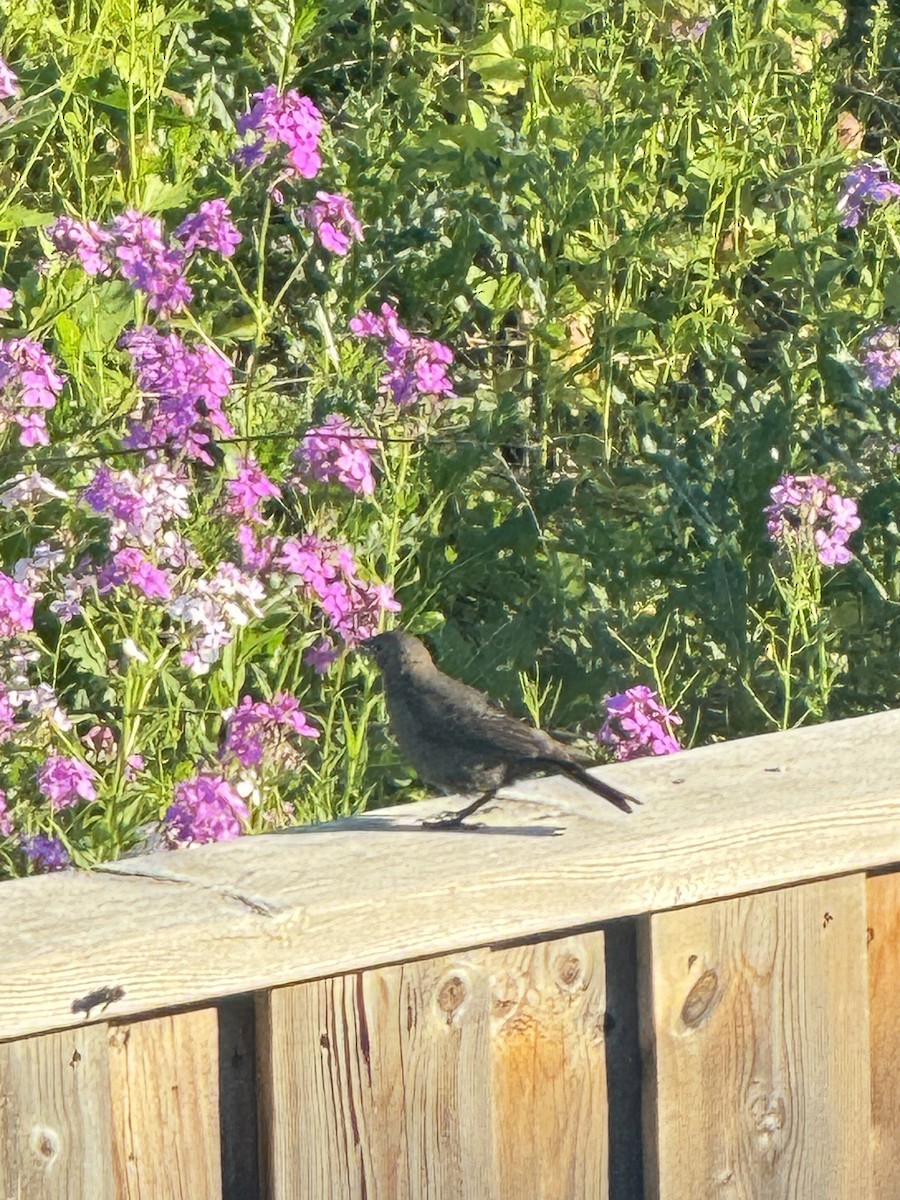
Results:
<point x="336" y="451"/>
<point x="45" y="853"/>
<point x="86" y="240"/>
<point x="6" y="299"/>
<point x="8" y="82"/>
<point x="29" y="385"/>
<point x="257" y="553"/>
<point x="16" y="608"/>
<point x="418" y="366"/>
<point x="690" y="31"/>
<point x="148" y="263"/>
<point x="637" y="725"/>
<point x="328" y="573"/>
<point x="289" y="120"/>
<point x="251" y="487"/>
<point x="867" y="184"/>
<point x="334" y="221"/>
<point x="215" y="608"/>
<point x="253" y="727"/>
<point x="209" y="228"/>
<point x="64" y="781"/>
<point x="185" y="389"/>
<point x="139" y="505"/>
<point x="206" y="808"/>
<point x="320" y="656"/>
<point x="9" y="727"/>
<point x="880" y="357"/>
<point x="129" y="567"/>
<point x="807" y="511"/>
<point x="6" y="822"/>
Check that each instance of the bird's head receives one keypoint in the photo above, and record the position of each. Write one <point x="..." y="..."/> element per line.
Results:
<point x="396" y="652"/>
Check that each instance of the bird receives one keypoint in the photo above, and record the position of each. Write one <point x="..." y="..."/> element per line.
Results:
<point x="457" y="739"/>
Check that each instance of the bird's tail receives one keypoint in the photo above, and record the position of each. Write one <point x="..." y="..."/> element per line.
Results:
<point x="620" y="799"/>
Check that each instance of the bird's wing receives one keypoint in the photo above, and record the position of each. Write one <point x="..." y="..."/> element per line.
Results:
<point x="446" y="708"/>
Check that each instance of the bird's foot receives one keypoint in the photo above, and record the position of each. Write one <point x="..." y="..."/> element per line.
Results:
<point x="448" y="820"/>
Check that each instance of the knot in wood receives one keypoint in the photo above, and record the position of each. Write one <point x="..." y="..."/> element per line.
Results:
<point x="451" y="995"/>
<point x="45" y="1143"/>
<point x="568" y="968"/>
<point x="699" y="998"/>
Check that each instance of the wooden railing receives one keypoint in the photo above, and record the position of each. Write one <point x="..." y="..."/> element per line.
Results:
<point x="701" y="1000"/>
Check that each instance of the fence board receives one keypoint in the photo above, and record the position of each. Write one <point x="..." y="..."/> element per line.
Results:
<point x="55" y="1117"/>
<point x="758" y="1010"/>
<point x="883" y="893"/>
<point x="172" y="929"/>
<point x="165" y="1106"/>
<point x="548" y="1070"/>
<point x="471" y="1077"/>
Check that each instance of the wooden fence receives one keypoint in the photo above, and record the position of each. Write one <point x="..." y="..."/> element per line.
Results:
<point x="697" y="1002"/>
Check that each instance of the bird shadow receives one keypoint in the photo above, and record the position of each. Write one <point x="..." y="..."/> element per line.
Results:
<point x="389" y="825"/>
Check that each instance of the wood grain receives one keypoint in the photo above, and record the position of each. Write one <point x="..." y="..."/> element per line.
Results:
<point x="758" y="1015"/>
<point x="548" y="1070"/>
<point x="164" y="1082"/>
<point x="472" y="1077"/>
<point x="181" y="928"/>
<point x="883" y="893"/>
<point x="55" y="1117"/>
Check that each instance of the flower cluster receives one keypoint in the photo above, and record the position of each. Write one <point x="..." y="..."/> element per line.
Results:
<point x="289" y="120"/>
<point x="807" y="510"/>
<point x="128" y="567"/>
<point x="16" y="607"/>
<point x="880" y="358"/>
<point x="329" y="573"/>
<point x="45" y="853"/>
<point x="334" y="221"/>
<point x="29" y="386"/>
<point x="139" y="504"/>
<point x="7" y="826"/>
<point x="206" y="808"/>
<point x="866" y="185"/>
<point x="210" y="228"/>
<point x="137" y="245"/>
<point x="64" y="781"/>
<point x="637" y="725"/>
<point x="418" y="366"/>
<point x="248" y="490"/>
<point x="336" y="451"/>
<point x="216" y="608"/>
<point x="257" y="726"/>
<point x="185" y="387"/>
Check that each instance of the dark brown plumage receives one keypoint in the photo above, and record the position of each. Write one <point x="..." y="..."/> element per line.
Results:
<point x="457" y="739"/>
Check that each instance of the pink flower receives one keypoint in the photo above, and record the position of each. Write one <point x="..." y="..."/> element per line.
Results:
<point x="637" y="725"/>
<point x="6" y="299"/>
<point x="130" y="567"/>
<point x="209" y="228"/>
<point x="6" y="822"/>
<point x="336" y="451"/>
<point x="64" y="781"/>
<point x="253" y="727"/>
<point x="807" y="510"/>
<point x="206" y="808"/>
<point x="86" y="240"/>
<point x="29" y="385"/>
<point x="251" y="487"/>
<point x="334" y="221"/>
<point x="8" y="82"/>
<point x="288" y="120"/>
<point x="16" y="608"/>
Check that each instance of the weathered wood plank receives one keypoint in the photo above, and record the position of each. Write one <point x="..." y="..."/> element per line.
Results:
<point x="55" y="1117"/>
<point x="377" y="1084"/>
<point x="181" y="928"/>
<point x="165" y="1113"/>
<point x="472" y="1077"/>
<point x="883" y="893"/>
<point x="548" y="1070"/>
<point x="758" y="1008"/>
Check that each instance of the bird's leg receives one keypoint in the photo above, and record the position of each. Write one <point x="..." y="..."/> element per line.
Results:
<point x="450" y="820"/>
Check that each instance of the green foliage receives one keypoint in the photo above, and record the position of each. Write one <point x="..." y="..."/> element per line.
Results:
<point x="630" y="240"/>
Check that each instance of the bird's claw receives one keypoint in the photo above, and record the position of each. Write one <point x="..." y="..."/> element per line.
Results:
<point x="447" y="820"/>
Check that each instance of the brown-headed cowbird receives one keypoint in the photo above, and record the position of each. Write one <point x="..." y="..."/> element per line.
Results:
<point x="457" y="739"/>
